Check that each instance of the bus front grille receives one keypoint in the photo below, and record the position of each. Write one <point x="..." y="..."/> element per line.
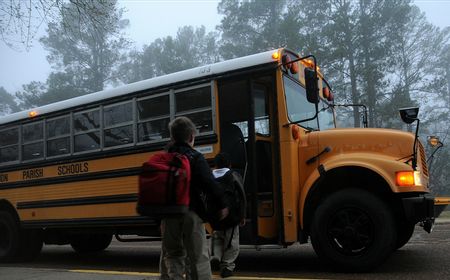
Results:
<point x="423" y="159"/>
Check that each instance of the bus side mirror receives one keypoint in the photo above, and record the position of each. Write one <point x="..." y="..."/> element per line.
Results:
<point x="409" y="115"/>
<point x="312" y="89"/>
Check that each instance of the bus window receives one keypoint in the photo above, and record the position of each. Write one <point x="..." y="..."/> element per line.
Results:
<point x="326" y="116"/>
<point x="237" y="112"/>
<point x="298" y="107"/>
<point x="262" y="125"/>
<point x="58" y="136"/>
<point x="118" y="124"/>
<point x="33" y="141"/>
<point x="9" y="145"/>
<point x="196" y="105"/>
<point x="87" y="131"/>
<point x="153" y="118"/>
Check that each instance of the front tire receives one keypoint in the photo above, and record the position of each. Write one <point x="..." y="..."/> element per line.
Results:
<point x="353" y="230"/>
<point x="404" y="234"/>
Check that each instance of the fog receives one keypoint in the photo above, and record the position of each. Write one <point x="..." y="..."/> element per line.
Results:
<point x="384" y="54"/>
<point x="149" y="20"/>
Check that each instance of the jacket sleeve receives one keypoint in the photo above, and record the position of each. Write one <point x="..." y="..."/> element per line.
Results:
<point x="206" y="180"/>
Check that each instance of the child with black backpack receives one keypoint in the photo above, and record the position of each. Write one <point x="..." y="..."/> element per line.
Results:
<point x="225" y="242"/>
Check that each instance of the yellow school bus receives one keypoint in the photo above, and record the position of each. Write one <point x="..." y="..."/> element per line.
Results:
<point x="69" y="170"/>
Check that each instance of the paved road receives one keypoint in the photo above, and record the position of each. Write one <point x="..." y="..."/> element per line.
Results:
<point x="424" y="257"/>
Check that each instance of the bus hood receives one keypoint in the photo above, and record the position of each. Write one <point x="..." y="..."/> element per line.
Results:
<point x="384" y="142"/>
<point x="384" y="151"/>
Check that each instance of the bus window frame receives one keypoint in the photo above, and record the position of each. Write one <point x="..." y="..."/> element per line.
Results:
<point x="139" y="121"/>
<point x="70" y="135"/>
<point x="18" y="144"/>
<point x="211" y="108"/>
<point x="287" y="108"/>
<point x="104" y="127"/>
<point x="23" y="142"/>
<point x="99" y="129"/>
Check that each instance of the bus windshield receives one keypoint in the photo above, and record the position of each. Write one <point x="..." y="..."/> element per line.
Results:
<point x="299" y="108"/>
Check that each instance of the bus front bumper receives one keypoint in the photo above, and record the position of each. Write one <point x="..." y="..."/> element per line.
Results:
<point x="420" y="209"/>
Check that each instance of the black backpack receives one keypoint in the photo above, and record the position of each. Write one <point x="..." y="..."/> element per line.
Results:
<point x="233" y="199"/>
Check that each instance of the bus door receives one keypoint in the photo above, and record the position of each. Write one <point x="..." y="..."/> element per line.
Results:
<point x="246" y="113"/>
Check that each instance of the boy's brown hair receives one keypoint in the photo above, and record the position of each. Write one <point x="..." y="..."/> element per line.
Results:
<point x="181" y="129"/>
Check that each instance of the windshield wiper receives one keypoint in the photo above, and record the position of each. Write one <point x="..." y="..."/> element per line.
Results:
<point x="365" y="124"/>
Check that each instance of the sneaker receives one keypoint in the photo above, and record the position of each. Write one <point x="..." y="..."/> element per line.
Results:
<point x="226" y="273"/>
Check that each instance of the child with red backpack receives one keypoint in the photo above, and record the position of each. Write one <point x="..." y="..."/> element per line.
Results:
<point x="171" y="187"/>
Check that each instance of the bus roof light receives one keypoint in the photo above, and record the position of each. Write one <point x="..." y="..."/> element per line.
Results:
<point x="289" y="65"/>
<point x="276" y="55"/>
<point x="327" y="94"/>
<point x="331" y="97"/>
<point x="32" y="114"/>
<point x="309" y="63"/>
<point x="286" y="60"/>
<point x="294" y="68"/>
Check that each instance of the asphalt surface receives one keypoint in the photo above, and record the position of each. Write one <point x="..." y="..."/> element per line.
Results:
<point x="424" y="257"/>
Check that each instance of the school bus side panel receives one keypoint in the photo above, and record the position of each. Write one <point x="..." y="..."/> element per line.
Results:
<point x="102" y="188"/>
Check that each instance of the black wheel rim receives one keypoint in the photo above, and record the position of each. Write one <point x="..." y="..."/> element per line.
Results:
<point x="350" y="231"/>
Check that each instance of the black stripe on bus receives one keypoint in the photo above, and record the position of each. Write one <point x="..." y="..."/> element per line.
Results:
<point x="92" y="222"/>
<point x="121" y="198"/>
<point x="74" y="178"/>
<point x="78" y="177"/>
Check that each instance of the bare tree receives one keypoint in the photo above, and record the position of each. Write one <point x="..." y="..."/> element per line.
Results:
<point x="21" y="20"/>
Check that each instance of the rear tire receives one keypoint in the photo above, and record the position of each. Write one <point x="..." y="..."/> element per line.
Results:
<point x="9" y="237"/>
<point x="90" y="243"/>
<point x="353" y="230"/>
<point x="31" y="245"/>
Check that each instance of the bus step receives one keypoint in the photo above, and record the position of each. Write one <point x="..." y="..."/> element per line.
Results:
<point x="140" y="239"/>
<point x="261" y="247"/>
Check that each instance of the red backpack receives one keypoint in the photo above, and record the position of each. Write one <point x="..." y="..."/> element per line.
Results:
<point x="164" y="185"/>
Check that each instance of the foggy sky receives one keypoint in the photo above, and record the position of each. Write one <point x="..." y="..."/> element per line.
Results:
<point x="150" y="20"/>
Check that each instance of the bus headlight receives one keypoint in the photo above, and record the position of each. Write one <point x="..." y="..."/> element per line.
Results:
<point x="408" y="178"/>
<point x="417" y="178"/>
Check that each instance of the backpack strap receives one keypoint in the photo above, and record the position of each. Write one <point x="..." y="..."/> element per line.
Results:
<point x="175" y="165"/>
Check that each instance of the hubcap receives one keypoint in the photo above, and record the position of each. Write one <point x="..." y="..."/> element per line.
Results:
<point x="350" y="231"/>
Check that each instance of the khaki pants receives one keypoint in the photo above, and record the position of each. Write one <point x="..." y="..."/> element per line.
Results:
<point x="220" y="250"/>
<point x="183" y="237"/>
<point x="162" y="264"/>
